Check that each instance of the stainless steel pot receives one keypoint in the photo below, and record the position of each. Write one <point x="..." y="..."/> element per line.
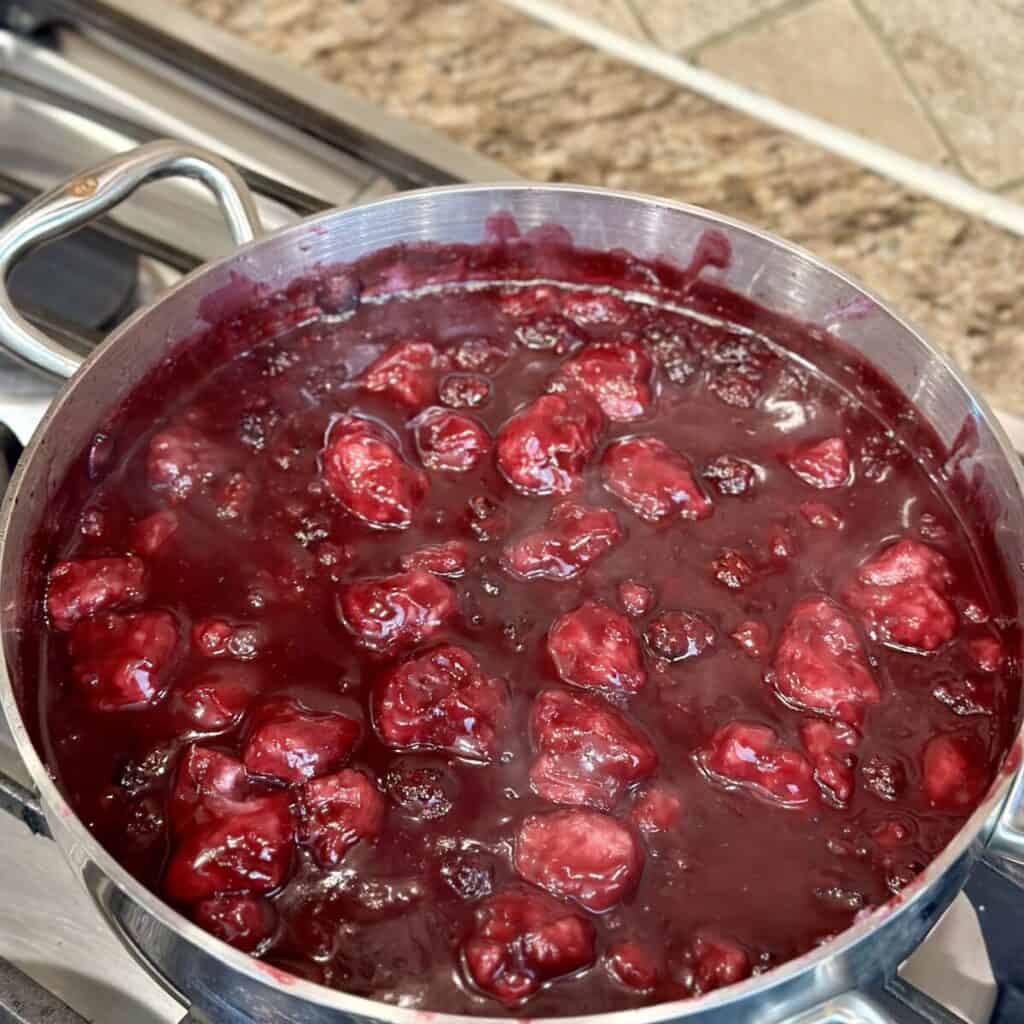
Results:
<point x="222" y="984"/>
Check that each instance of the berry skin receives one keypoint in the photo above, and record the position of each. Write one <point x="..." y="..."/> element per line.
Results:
<point x="543" y="448"/>
<point x="903" y="596"/>
<point x="366" y="472"/>
<point x="441" y="700"/>
<point x="573" y="537"/>
<point x="396" y="612"/>
<point x="593" y="647"/>
<point x="750" y="756"/>
<point x="653" y="480"/>
<point x="587" y="753"/>
<point x="579" y="854"/>
<point x="83" y="587"/>
<point x="820" y="664"/>
<point x="616" y="374"/>
<point x="521" y="939"/>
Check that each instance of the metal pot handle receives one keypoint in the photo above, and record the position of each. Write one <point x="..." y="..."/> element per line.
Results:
<point x="73" y="204"/>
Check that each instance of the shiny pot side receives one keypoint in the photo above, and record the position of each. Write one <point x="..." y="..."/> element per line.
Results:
<point x="226" y="985"/>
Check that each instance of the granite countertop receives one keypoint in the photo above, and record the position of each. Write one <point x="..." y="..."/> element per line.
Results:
<point x="552" y="108"/>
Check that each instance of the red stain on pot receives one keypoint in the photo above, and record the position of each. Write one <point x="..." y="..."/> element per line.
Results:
<point x="276" y="975"/>
<point x="236" y="297"/>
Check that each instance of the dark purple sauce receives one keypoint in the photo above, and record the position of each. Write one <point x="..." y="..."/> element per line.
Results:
<point x="389" y="921"/>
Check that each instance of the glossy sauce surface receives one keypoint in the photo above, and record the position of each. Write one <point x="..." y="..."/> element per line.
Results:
<point x="702" y="874"/>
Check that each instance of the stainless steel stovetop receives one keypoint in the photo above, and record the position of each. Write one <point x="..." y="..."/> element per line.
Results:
<point x="82" y="79"/>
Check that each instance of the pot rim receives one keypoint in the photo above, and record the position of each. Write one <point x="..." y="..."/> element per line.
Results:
<point x="969" y="840"/>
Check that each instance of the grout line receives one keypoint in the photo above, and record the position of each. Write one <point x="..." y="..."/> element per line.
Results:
<point x="752" y="23"/>
<point x="912" y="174"/>
<point x="1012" y="9"/>
<point x="875" y="28"/>
<point x="635" y="7"/>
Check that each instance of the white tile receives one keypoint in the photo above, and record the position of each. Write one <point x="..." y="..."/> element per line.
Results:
<point x="825" y="60"/>
<point x="966" y="60"/>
